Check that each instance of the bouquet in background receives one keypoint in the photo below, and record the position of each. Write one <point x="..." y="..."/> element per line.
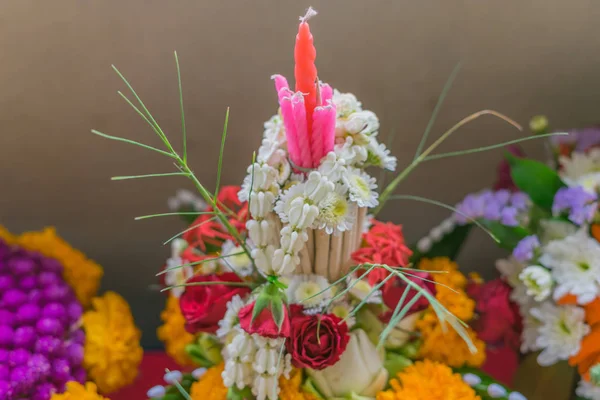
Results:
<point x="56" y="334"/>
<point x="288" y="287"/>
<point x="547" y="216"/>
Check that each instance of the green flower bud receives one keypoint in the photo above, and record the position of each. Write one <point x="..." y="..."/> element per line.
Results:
<point x="539" y="124"/>
<point x="595" y="374"/>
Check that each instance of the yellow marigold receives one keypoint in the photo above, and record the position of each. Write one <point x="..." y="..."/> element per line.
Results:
<point x="210" y="386"/>
<point x="173" y="333"/>
<point x="445" y="345"/>
<point x="428" y="380"/>
<point x="81" y="273"/>
<point x="112" y="343"/>
<point x="76" y="391"/>
<point x="291" y="389"/>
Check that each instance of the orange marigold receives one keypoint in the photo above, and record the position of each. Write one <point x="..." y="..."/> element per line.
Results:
<point x="291" y="389"/>
<point x="442" y="343"/>
<point x="428" y="380"/>
<point x="112" y="351"/>
<point x="173" y="333"/>
<point x="589" y="354"/>
<point x="210" y="386"/>
<point x="77" y="391"/>
<point x="81" y="273"/>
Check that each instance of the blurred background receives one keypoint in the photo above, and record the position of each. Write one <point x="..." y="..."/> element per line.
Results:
<point x="56" y="83"/>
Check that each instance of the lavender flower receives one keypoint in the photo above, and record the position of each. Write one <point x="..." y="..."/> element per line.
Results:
<point x="40" y="349"/>
<point x="525" y="249"/>
<point x="579" y="203"/>
<point x="502" y="205"/>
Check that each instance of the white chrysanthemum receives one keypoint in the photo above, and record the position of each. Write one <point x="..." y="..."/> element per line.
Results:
<point x="301" y="287"/>
<point x="379" y="156"/>
<point x="510" y="269"/>
<point x="350" y="151"/>
<point x="551" y="229"/>
<point x="588" y="390"/>
<point x="530" y="333"/>
<point x="274" y="129"/>
<point x="560" y="333"/>
<point x="361" y="187"/>
<point x="575" y="265"/>
<point x="345" y="103"/>
<point x="581" y="169"/>
<point x="538" y="282"/>
<point x="177" y="275"/>
<point x="365" y="122"/>
<point x="235" y="259"/>
<point x="360" y="289"/>
<point x="230" y="319"/>
<point x="335" y="213"/>
<point x="284" y="204"/>
<point x="342" y="309"/>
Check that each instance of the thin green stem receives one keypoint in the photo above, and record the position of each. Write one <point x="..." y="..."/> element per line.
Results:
<point x="183" y="129"/>
<point x="120" y="139"/>
<point x="180" y="388"/>
<point x="491" y="147"/>
<point x="141" y="114"/>
<point x="222" y="151"/>
<point x="189" y="229"/>
<point x="402" y="175"/>
<point x="210" y="283"/>
<point x="436" y="110"/>
<point x="122" y="178"/>
<point x="172" y="214"/>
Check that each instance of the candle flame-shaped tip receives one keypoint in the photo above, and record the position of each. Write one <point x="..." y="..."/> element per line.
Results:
<point x="311" y="12"/>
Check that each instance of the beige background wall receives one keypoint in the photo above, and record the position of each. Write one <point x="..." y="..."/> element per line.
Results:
<point x="520" y="57"/>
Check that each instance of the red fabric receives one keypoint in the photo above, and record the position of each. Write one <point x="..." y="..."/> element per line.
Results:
<point x="152" y="370"/>
<point x="501" y="364"/>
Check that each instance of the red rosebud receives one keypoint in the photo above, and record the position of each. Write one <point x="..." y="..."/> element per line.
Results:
<point x="394" y="289"/>
<point x="203" y="306"/>
<point x="264" y="324"/>
<point x="317" y="341"/>
<point x="499" y="321"/>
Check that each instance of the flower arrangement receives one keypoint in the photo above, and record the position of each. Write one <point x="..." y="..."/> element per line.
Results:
<point x="547" y="216"/>
<point x="288" y="287"/>
<point x="55" y="332"/>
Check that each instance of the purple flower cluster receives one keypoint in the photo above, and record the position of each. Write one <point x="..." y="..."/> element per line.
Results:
<point x="40" y="348"/>
<point x="579" y="203"/>
<point x="579" y="139"/>
<point x="501" y="205"/>
<point x="525" y="249"/>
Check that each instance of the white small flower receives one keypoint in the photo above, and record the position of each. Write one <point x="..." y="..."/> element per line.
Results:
<point x="379" y="155"/>
<point x="235" y="259"/>
<point x="360" y="289"/>
<point x="529" y="334"/>
<point x="274" y="129"/>
<point x="581" y="169"/>
<point x="365" y="122"/>
<point x="261" y="203"/>
<point x="471" y="379"/>
<point x="575" y="265"/>
<point x="424" y="245"/>
<point x="230" y="319"/>
<point x="302" y="288"/>
<point x="353" y="153"/>
<point x="538" y="282"/>
<point x="361" y="187"/>
<point x="496" y="391"/>
<point x="560" y="333"/>
<point x="177" y="275"/>
<point x="510" y="269"/>
<point x="551" y="229"/>
<point x="335" y="213"/>
<point x="332" y="167"/>
<point x="345" y="103"/>
<point x="263" y="258"/>
<point x="588" y="390"/>
<point x="284" y="204"/>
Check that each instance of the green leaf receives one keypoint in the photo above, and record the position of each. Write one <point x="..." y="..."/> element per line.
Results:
<point x="263" y="301"/>
<point x="536" y="179"/>
<point x="395" y="363"/>
<point x="508" y="236"/>
<point x="278" y="312"/>
<point x="449" y="246"/>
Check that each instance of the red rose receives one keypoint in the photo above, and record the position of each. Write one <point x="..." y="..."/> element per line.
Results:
<point x="499" y="321"/>
<point x="317" y="341"/>
<point x="394" y="289"/>
<point x="264" y="324"/>
<point x="203" y="306"/>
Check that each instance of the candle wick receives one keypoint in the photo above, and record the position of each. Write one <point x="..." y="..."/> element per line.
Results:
<point x="311" y="12"/>
<point x="318" y="85"/>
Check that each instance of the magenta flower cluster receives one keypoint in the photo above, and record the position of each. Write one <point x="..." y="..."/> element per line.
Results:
<point x="41" y="347"/>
